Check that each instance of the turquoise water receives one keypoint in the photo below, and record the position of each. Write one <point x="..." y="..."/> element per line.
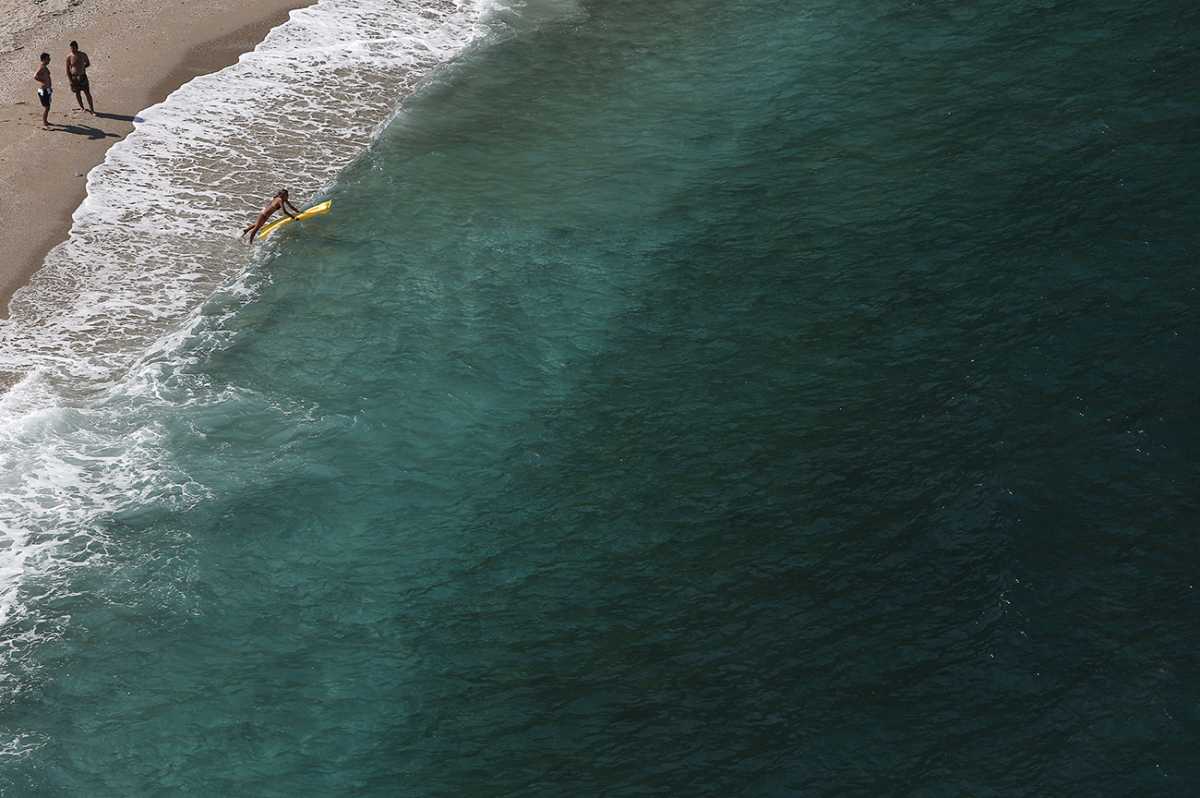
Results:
<point x="706" y="399"/>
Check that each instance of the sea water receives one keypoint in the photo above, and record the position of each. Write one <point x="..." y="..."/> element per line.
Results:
<point x="684" y="398"/>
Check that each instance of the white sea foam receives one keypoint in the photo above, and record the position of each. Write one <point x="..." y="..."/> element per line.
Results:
<point x="90" y="338"/>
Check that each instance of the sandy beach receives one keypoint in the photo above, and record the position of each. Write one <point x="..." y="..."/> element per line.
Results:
<point x="141" y="50"/>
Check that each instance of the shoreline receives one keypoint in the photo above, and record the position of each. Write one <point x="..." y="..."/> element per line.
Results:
<point x="44" y="172"/>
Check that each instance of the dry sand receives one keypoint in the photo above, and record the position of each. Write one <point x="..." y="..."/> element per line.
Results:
<point x="141" y="50"/>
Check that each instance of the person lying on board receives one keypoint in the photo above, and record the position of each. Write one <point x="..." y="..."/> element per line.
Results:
<point x="278" y="203"/>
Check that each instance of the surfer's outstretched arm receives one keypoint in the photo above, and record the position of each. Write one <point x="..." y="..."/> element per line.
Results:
<point x="294" y="210"/>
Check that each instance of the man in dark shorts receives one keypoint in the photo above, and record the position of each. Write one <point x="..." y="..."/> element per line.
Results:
<point x="77" y="65"/>
<point x="46" y="92"/>
<point x="278" y="203"/>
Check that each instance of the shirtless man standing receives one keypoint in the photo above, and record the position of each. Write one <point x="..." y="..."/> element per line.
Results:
<point x="77" y="64"/>
<point x="278" y="203"/>
<point x="45" y="93"/>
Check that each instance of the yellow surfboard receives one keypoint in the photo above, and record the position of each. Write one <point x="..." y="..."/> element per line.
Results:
<point x="316" y="210"/>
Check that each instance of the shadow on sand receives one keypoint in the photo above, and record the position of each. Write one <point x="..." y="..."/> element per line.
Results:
<point x="83" y="130"/>
<point x="119" y="117"/>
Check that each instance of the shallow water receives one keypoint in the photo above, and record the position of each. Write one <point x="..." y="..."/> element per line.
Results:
<point x="718" y="399"/>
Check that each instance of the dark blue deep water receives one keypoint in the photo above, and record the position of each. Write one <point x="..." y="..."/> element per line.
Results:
<point x="690" y="398"/>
